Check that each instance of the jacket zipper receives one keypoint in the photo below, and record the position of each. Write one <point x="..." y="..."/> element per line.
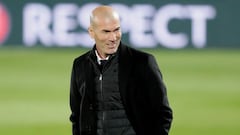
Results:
<point x="101" y="87"/>
<point x="101" y="90"/>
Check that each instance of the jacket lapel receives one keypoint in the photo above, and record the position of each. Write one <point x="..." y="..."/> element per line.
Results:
<point x="125" y="66"/>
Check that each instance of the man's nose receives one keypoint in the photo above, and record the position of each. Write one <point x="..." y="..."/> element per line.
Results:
<point x="113" y="36"/>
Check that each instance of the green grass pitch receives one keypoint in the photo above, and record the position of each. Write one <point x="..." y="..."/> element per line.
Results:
<point x="203" y="89"/>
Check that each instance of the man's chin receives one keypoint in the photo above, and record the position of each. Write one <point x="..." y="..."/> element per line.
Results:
<point x="112" y="51"/>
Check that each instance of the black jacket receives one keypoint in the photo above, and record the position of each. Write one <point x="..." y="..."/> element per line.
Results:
<point x="141" y="87"/>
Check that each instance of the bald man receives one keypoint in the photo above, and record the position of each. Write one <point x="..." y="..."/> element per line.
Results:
<point x="115" y="89"/>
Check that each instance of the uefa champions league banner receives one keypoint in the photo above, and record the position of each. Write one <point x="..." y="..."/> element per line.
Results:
<point x="171" y="24"/>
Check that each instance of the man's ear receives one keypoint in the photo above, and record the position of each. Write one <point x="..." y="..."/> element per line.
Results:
<point x="91" y="32"/>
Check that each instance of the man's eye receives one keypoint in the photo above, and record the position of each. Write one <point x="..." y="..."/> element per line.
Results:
<point x="117" y="29"/>
<point x="106" y="31"/>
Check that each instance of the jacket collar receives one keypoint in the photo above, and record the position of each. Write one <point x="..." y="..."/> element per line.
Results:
<point x="125" y="67"/>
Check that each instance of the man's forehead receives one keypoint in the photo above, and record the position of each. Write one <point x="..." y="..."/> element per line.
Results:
<point x="108" y="23"/>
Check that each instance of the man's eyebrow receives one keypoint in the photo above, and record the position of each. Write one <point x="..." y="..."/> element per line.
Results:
<point x="117" y="28"/>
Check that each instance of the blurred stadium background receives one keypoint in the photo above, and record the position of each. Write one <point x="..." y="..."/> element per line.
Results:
<point x="195" y="42"/>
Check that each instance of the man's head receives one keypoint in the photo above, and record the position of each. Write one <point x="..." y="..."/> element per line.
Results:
<point x="105" y="30"/>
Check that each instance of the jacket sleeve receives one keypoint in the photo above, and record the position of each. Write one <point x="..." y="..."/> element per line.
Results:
<point x="75" y="99"/>
<point x="158" y="101"/>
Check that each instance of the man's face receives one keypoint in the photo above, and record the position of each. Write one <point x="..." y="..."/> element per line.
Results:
<point x="107" y="35"/>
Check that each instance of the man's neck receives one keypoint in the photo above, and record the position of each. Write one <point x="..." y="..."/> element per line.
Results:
<point x="100" y="58"/>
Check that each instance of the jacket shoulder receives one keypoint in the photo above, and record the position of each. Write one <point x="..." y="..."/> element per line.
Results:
<point x="139" y="54"/>
<point x="82" y="58"/>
